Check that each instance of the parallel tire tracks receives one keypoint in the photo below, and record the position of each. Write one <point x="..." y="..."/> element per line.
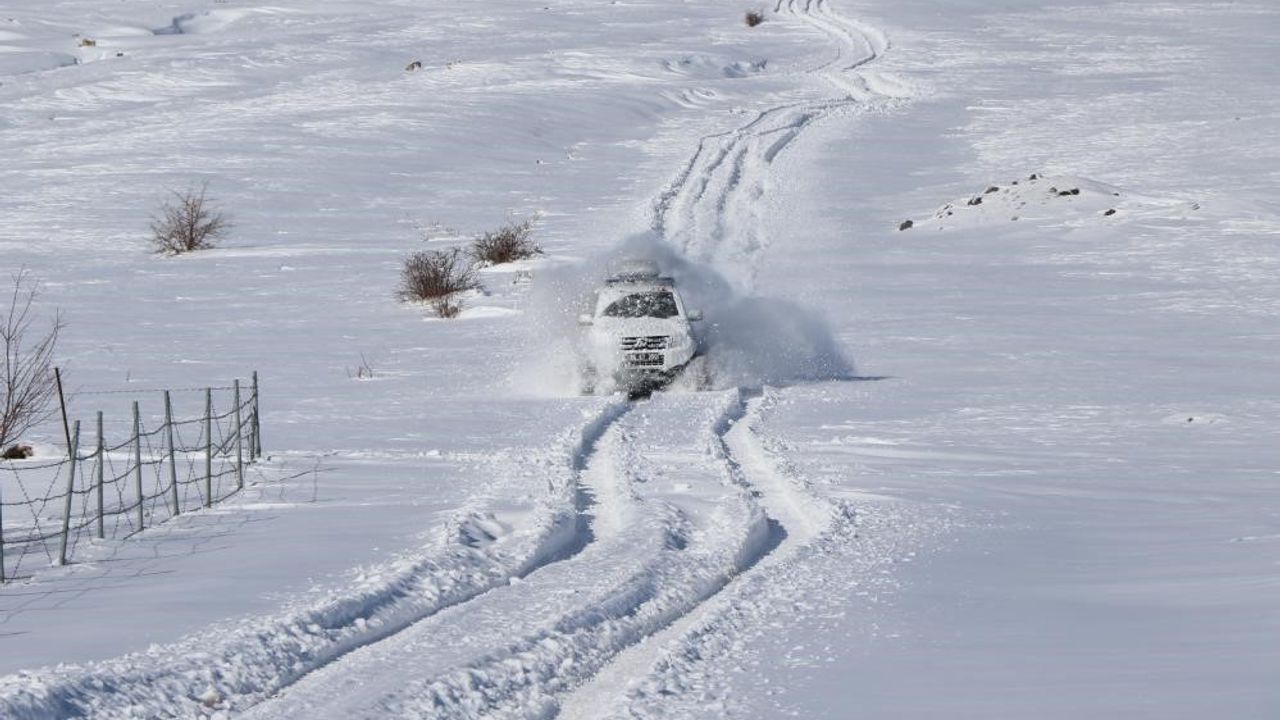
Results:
<point x="650" y="557"/>
<point x="673" y="522"/>
<point x="711" y="210"/>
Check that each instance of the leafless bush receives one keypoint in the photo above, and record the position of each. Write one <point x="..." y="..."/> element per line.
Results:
<point x="28" y="379"/>
<point x="363" y="371"/>
<point x="511" y="242"/>
<point x="446" y="307"/>
<point x="436" y="276"/>
<point x="754" y="18"/>
<point x="188" y="222"/>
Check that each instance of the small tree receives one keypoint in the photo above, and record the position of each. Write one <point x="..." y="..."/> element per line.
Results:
<point x="27" y="373"/>
<point x="754" y="18"/>
<point x="511" y="242"/>
<point x="435" y="276"/>
<point x="186" y="222"/>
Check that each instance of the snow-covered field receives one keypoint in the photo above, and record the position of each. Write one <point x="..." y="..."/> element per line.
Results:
<point x="1018" y="459"/>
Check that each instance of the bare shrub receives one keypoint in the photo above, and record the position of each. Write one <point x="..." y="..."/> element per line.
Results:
<point x="754" y="18"/>
<point x="363" y="371"/>
<point x="446" y="307"/>
<point x="27" y="374"/>
<point x="188" y="222"/>
<point x="511" y="242"/>
<point x="436" y="276"/>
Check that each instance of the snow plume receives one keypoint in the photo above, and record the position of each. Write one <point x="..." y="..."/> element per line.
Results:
<point x="749" y="341"/>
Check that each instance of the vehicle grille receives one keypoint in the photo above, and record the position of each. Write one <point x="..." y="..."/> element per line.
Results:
<point x="646" y="342"/>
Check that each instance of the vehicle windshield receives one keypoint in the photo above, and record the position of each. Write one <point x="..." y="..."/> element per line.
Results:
<point x="655" y="304"/>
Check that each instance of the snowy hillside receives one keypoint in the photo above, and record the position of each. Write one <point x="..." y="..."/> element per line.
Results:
<point x="992" y="313"/>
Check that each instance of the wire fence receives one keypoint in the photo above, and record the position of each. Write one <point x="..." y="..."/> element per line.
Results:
<point x="102" y="490"/>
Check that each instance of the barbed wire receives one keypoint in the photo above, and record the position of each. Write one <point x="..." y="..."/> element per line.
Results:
<point x="141" y="391"/>
<point x="88" y="489"/>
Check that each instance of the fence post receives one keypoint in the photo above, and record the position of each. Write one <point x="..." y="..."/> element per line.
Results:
<point x="1" y="533"/>
<point x="71" y="485"/>
<point x="137" y="461"/>
<point x="239" y="452"/>
<point x="208" y="447"/>
<point x="173" y="462"/>
<point x="102" y="462"/>
<point x="256" y="448"/>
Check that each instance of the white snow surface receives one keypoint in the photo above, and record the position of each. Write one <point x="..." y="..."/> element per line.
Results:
<point x="1018" y="459"/>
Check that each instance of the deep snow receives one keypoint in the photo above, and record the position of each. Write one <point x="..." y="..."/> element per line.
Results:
<point x="1046" y="489"/>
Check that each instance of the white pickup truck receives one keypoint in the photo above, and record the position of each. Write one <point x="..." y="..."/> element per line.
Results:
<point x="639" y="336"/>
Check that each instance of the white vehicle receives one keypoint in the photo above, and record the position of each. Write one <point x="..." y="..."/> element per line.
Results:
<point x="639" y="335"/>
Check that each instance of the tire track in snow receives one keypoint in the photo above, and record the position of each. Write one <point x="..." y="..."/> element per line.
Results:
<point x="673" y="523"/>
<point x="602" y="570"/>
<point x="235" y="667"/>
<point x="711" y="209"/>
<point x="794" y="518"/>
<point x="710" y="212"/>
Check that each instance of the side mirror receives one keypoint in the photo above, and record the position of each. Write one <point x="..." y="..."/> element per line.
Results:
<point x="584" y="320"/>
<point x="695" y="315"/>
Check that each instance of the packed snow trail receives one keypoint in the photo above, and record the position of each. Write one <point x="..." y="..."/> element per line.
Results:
<point x="795" y="518"/>
<point x="672" y="523"/>
<point x="710" y="211"/>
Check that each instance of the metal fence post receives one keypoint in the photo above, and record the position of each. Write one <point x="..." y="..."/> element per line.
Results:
<point x="208" y="447"/>
<point x="1" y="534"/>
<point x="102" y="463"/>
<point x="173" y="463"/>
<point x="137" y="461"/>
<point x="256" y="448"/>
<point x="71" y="486"/>
<point x="239" y="451"/>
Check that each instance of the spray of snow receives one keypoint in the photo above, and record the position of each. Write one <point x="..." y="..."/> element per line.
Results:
<point x="749" y="341"/>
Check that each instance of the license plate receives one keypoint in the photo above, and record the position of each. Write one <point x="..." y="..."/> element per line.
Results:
<point x="645" y="358"/>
